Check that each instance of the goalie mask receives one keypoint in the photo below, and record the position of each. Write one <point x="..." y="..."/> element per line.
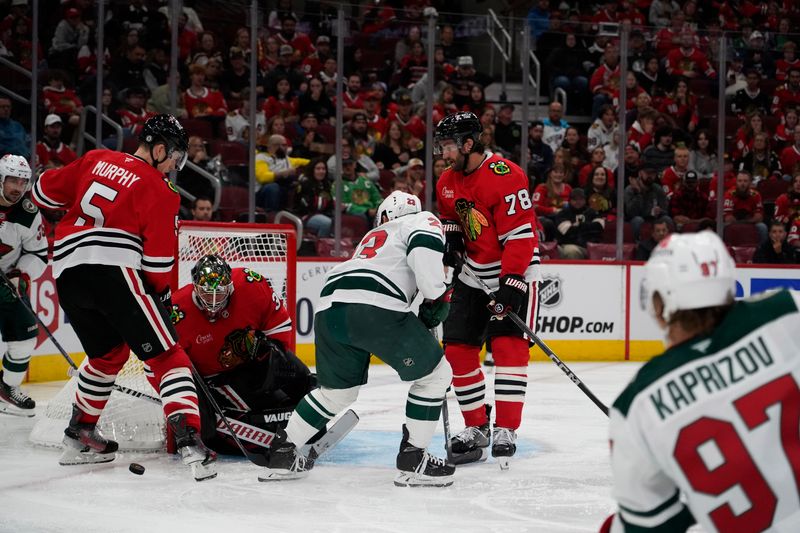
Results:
<point x="396" y="205"/>
<point x="15" y="178"/>
<point x="213" y="286"/>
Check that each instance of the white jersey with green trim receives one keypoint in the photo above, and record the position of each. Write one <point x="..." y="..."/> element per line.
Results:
<point x="23" y="244"/>
<point x="710" y="430"/>
<point x="392" y="262"/>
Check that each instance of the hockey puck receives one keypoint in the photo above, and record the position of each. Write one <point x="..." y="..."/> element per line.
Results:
<point x="136" y="468"/>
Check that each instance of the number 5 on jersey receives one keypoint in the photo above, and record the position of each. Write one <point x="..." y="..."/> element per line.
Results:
<point x="524" y="201"/>
<point x="91" y="210"/>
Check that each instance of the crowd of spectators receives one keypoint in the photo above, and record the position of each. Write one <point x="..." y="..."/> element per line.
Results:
<point x="671" y="117"/>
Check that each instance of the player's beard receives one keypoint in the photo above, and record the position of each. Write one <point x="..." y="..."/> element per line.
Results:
<point x="458" y="163"/>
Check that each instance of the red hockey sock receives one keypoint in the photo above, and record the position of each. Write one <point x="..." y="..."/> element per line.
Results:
<point x="171" y="370"/>
<point x="510" y="379"/>
<point x="468" y="382"/>
<point x="96" y="381"/>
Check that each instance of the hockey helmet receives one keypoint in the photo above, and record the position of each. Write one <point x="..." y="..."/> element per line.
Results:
<point x="14" y="166"/>
<point x="213" y="286"/>
<point x="689" y="271"/>
<point x="396" y="205"/>
<point x="458" y="127"/>
<point x="166" y="129"/>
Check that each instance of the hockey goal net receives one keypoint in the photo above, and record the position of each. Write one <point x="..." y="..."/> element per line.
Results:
<point x="132" y="419"/>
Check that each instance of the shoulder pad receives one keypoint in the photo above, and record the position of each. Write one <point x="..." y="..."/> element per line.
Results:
<point x="500" y="167"/>
<point x="23" y="213"/>
<point x="177" y="314"/>
<point x="171" y="185"/>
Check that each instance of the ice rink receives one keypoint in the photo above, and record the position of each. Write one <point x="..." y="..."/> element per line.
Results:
<point x="559" y="481"/>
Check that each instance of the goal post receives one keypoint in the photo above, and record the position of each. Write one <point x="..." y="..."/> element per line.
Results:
<point x="138" y="424"/>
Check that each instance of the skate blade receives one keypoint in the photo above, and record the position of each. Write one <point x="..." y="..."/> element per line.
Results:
<point x="473" y="456"/>
<point x="203" y="472"/>
<point x="411" y="479"/>
<point x="73" y="457"/>
<point x="504" y="462"/>
<point x="281" y="475"/>
<point x="13" y="410"/>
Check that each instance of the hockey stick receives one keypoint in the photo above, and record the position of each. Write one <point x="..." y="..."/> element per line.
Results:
<point x="538" y="342"/>
<point x="125" y="390"/>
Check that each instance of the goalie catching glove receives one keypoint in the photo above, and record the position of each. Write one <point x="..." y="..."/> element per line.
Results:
<point x="434" y="312"/>
<point x="511" y="296"/>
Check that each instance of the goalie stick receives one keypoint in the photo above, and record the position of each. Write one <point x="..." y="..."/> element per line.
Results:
<point x="538" y="342"/>
<point x="73" y="367"/>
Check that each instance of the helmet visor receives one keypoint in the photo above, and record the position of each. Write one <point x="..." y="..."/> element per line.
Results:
<point x="180" y="157"/>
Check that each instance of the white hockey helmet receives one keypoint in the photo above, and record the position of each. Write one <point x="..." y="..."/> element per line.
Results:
<point x="689" y="271"/>
<point x="14" y="166"/>
<point x="396" y="205"/>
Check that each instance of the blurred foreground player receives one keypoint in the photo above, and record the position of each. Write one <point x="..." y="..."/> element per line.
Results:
<point x="365" y="309"/>
<point x="112" y="261"/>
<point x="236" y="330"/>
<point x="23" y="257"/>
<point x="707" y="432"/>
<point x="489" y="225"/>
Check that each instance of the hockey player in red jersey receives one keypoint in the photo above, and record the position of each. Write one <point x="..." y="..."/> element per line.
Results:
<point x="112" y="260"/>
<point x="488" y="217"/>
<point x="236" y="331"/>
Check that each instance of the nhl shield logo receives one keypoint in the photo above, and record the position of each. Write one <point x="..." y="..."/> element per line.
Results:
<point x="408" y="361"/>
<point x="550" y="291"/>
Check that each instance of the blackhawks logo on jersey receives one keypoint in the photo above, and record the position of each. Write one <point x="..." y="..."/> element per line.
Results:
<point x="500" y="168"/>
<point x="171" y="185"/>
<point x="176" y="314"/>
<point x="472" y="220"/>
<point x="252" y="276"/>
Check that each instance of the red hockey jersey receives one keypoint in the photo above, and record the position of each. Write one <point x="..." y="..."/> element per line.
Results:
<point x="120" y="211"/>
<point x="496" y="214"/>
<point x="252" y="305"/>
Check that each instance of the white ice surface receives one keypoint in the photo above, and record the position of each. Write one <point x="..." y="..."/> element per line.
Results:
<point x="559" y="481"/>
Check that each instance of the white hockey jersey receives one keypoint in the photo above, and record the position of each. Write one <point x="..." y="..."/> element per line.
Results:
<point x="711" y="428"/>
<point x="22" y="241"/>
<point x="391" y="263"/>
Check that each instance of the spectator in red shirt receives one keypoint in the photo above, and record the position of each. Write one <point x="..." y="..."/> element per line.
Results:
<point x="787" y="205"/>
<point x="784" y="133"/>
<point x="445" y="104"/>
<point x="53" y="153"/>
<point x="788" y="61"/>
<point x="283" y="103"/>
<point x="477" y="100"/>
<point x="352" y="99"/>
<point x="688" y="203"/>
<point x="790" y="156"/>
<point x="669" y="38"/>
<point x="794" y="236"/>
<point x="743" y="204"/>
<point x="753" y="125"/>
<point x="604" y="78"/>
<point x="673" y="175"/>
<point x="376" y="125"/>
<point x="729" y="181"/>
<point x="632" y="93"/>
<point x="61" y="100"/>
<point x="201" y="101"/>
<point x="134" y="115"/>
<point x="408" y="121"/>
<point x="640" y="135"/>
<point x="789" y="93"/>
<point x="687" y="61"/>
<point x="299" y="41"/>
<point x="413" y="65"/>
<point x="681" y="105"/>
<point x="598" y="157"/>
<point x="550" y="198"/>
<point x="312" y="64"/>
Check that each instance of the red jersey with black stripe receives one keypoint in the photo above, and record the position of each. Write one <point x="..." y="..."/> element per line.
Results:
<point x="494" y="208"/>
<point x="252" y="305"/>
<point x="120" y="211"/>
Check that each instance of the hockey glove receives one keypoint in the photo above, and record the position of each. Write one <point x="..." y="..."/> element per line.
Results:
<point x="18" y="283"/>
<point x="453" y="245"/>
<point x="512" y="294"/>
<point x="434" y="312"/>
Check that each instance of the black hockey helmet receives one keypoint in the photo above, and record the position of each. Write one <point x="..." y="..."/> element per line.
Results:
<point x="166" y="129"/>
<point x="458" y="127"/>
<point x="213" y="286"/>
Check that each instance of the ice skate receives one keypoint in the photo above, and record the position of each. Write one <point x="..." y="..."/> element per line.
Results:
<point x="15" y="402"/>
<point x="84" y="445"/>
<point x="504" y="446"/>
<point x="418" y="468"/>
<point x="286" y="462"/>
<point x="192" y="450"/>
<point x="471" y="445"/>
